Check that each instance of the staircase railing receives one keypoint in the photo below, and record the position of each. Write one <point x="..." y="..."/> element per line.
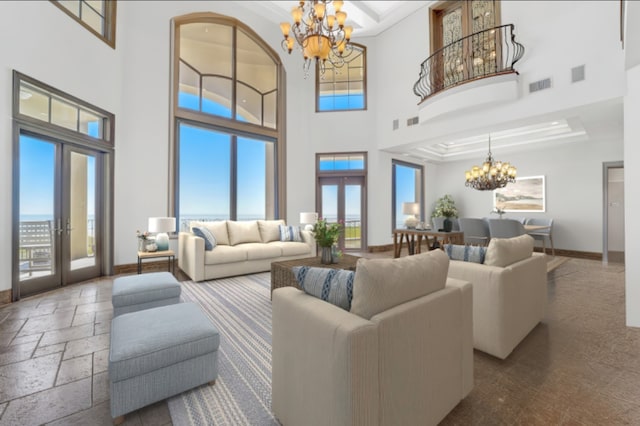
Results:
<point x="487" y="53"/>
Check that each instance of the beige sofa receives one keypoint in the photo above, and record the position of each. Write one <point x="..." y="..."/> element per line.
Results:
<point x="509" y="293"/>
<point x="242" y="247"/>
<point x="402" y="355"/>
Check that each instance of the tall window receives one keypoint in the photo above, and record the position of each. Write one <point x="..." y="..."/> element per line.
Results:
<point x="98" y="16"/>
<point x="345" y="87"/>
<point x="228" y="147"/>
<point x="407" y="188"/>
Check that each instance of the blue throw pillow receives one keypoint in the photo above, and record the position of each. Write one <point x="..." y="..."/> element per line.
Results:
<point x="465" y="253"/>
<point x="290" y="233"/>
<point x="331" y="285"/>
<point x="209" y="240"/>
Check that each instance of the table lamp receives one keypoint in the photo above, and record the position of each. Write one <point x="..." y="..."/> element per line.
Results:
<point x="411" y="209"/>
<point x="308" y="218"/>
<point x="160" y="226"/>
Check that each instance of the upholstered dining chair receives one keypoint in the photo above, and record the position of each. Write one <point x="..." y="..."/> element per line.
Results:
<point x="476" y="231"/>
<point x="505" y="228"/>
<point x="543" y="234"/>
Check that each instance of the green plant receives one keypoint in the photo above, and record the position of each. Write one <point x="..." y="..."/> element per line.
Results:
<point x="326" y="234"/>
<point x="445" y="207"/>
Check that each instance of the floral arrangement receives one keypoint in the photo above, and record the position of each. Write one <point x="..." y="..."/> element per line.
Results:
<point x="142" y="235"/>
<point x="445" y="207"/>
<point x="326" y="234"/>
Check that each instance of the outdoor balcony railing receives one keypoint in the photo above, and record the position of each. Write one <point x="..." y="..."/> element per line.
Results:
<point x="484" y="54"/>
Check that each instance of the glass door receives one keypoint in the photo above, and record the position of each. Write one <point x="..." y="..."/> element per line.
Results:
<point x="58" y="225"/>
<point x="341" y="199"/>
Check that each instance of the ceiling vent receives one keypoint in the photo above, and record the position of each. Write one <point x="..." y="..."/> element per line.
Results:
<point x="577" y="74"/>
<point x="396" y="124"/>
<point x="540" y="85"/>
<point x="412" y="121"/>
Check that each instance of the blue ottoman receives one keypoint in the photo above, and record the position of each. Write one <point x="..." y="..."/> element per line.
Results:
<point x="160" y="352"/>
<point x="136" y="292"/>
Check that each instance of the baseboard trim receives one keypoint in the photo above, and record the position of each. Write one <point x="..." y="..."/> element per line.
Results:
<point x="5" y="297"/>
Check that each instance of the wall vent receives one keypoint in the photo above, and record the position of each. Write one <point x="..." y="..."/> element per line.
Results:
<point x="577" y="74"/>
<point x="412" y="121"/>
<point x="396" y="124"/>
<point x="540" y="85"/>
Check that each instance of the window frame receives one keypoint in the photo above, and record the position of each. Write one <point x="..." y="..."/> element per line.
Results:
<point x="109" y="36"/>
<point x="394" y="163"/>
<point x="345" y="66"/>
<point x="235" y="128"/>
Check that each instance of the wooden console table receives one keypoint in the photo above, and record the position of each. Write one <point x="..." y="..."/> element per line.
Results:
<point x="414" y="239"/>
<point x="169" y="254"/>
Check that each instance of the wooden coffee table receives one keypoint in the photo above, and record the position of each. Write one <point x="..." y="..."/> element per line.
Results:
<point x="282" y="274"/>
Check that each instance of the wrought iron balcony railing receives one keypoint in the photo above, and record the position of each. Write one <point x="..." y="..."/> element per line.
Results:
<point x="484" y="54"/>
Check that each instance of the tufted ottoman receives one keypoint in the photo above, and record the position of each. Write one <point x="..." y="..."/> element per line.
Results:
<point x="135" y="292"/>
<point x="160" y="352"/>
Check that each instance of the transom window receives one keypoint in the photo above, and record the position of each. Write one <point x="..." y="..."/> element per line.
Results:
<point x="37" y="101"/>
<point x="98" y="16"/>
<point x="228" y="145"/>
<point x="336" y="162"/>
<point x="343" y="88"/>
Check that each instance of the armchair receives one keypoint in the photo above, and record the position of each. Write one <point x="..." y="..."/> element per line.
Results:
<point x="398" y="357"/>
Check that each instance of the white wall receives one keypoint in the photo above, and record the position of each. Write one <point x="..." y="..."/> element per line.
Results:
<point x="41" y="41"/>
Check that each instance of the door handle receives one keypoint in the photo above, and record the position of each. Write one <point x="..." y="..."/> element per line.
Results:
<point x="69" y="228"/>
<point x="58" y="228"/>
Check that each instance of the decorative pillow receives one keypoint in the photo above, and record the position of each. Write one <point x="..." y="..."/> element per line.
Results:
<point x="381" y="284"/>
<point x="209" y="239"/>
<point x="217" y="228"/>
<point x="290" y="233"/>
<point x="465" y="253"/>
<point x="506" y="251"/>
<point x="331" y="285"/>
<point x="243" y="232"/>
<point x="270" y="230"/>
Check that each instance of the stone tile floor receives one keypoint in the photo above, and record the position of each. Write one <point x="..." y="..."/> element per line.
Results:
<point x="580" y="366"/>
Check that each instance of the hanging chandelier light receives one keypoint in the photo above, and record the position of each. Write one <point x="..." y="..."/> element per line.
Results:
<point x="491" y="175"/>
<point x="318" y="28"/>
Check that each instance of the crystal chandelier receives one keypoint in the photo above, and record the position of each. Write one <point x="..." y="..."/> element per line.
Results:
<point x="491" y="175"/>
<point x="318" y="28"/>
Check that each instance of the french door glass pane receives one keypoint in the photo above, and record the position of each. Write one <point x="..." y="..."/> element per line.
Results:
<point x="252" y="179"/>
<point x="329" y="203"/>
<point x="205" y="176"/>
<point x="37" y="180"/>
<point x="81" y="227"/>
<point x="353" y="216"/>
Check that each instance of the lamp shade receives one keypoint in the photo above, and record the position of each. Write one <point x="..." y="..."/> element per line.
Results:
<point x="308" y="217"/>
<point x="410" y="208"/>
<point x="162" y="224"/>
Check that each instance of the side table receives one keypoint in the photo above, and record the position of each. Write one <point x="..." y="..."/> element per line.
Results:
<point x="169" y="254"/>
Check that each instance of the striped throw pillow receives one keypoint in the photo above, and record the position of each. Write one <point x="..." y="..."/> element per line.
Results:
<point x="465" y="253"/>
<point x="209" y="240"/>
<point x="290" y="233"/>
<point x="331" y="285"/>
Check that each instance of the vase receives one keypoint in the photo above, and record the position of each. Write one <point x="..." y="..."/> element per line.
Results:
<point x="326" y="256"/>
<point x="447" y="225"/>
<point x="335" y="258"/>
<point x="141" y="245"/>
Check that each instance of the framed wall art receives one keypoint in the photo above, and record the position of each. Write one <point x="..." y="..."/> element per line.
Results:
<point x="527" y="194"/>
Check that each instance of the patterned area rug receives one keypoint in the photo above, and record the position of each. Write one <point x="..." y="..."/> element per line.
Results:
<point x="240" y="309"/>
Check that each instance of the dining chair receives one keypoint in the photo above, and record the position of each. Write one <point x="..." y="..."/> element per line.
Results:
<point x="505" y="228"/>
<point x="543" y="234"/>
<point x="476" y="231"/>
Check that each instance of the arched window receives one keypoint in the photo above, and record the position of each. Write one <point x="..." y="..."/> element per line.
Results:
<point x="343" y="88"/>
<point x="228" y="118"/>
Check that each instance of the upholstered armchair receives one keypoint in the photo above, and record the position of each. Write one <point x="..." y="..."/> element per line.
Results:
<point x="402" y="355"/>
<point x="509" y="293"/>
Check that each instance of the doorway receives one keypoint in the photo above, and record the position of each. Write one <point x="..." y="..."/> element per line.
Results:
<point x="613" y="213"/>
<point x="59" y="220"/>
<point x="341" y="199"/>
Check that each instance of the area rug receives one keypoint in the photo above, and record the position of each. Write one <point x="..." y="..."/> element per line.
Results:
<point x="240" y="309"/>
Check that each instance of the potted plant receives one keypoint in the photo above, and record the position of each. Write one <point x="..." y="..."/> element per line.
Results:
<point x="326" y="235"/>
<point x="445" y="207"/>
